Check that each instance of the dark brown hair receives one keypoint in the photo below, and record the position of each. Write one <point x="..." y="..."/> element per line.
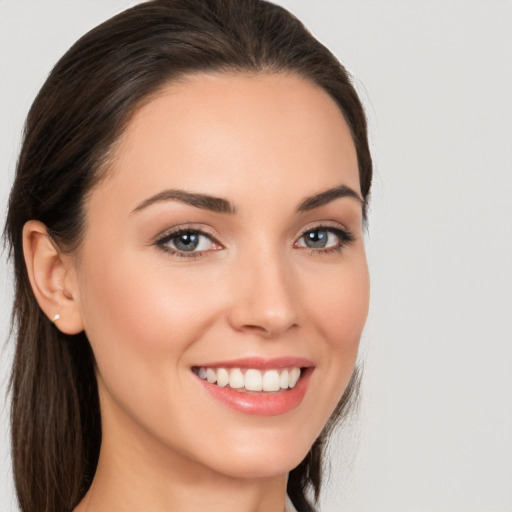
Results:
<point x="78" y="115"/>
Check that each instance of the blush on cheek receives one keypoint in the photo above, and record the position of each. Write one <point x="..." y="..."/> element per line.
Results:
<point x="342" y="314"/>
<point x="153" y="315"/>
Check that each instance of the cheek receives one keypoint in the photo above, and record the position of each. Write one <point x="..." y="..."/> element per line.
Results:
<point x="140" y="318"/>
<point x="341" y="306"/>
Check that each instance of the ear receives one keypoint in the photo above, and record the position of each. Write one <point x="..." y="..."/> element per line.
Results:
<point x="52" y="275"/>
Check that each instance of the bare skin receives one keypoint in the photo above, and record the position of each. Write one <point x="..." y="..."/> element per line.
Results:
<point x="254" y="286"/>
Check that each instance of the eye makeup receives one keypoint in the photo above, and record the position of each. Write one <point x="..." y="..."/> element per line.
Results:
<point x="322" y="239"/>
<point x="188" y="242"/>
<point x="194" y="242"/>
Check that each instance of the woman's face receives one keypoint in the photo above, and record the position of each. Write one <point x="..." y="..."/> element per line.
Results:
<point x="225" y="242"/>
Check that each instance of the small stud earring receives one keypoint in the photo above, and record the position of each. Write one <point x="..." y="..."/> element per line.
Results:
<point x="55" y="318"/>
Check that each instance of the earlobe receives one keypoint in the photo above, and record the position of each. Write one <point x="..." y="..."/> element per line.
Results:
<point x="52" y="277"/>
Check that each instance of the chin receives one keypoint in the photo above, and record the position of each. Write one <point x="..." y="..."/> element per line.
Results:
<point x="262" y="467"/>
<point x="262" y="459"/>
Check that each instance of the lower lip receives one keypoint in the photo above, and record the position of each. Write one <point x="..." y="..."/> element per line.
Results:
<point x="261" y="404"/>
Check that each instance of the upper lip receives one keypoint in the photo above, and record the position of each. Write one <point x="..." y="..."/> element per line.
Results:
<point x="261" y="363"/>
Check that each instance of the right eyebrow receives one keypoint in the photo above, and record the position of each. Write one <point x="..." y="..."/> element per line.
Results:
<point x="203" y="201"/>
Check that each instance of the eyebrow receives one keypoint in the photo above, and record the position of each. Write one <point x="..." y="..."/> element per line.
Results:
<point x="203" y="201"/>
<point x="220" y="205"/>
<point x="312" y="202"/>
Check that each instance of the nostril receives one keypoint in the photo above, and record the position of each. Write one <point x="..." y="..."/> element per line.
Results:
<point x="268" y="331"/>
<point x="256" y="328"/>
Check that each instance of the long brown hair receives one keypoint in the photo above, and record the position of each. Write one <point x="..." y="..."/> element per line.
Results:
<point x="76" y="118"/>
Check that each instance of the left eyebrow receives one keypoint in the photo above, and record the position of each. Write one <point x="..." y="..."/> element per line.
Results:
<point x="327" y="196"/>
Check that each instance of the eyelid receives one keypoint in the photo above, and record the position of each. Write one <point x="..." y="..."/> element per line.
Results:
<point x="332" y="225"/>
<point x="180" y="228"/>
<point x="344" y="234"/>
<point x="166" y="236"/>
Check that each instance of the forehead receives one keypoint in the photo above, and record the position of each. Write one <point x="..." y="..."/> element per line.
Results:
<point x="226" y="133"/>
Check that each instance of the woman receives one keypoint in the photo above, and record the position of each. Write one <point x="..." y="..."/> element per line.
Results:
<point x="191" y="282"/>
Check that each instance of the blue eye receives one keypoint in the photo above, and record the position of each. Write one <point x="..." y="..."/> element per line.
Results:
<point x="187" y="241"/>
<point x="319" y="239"/>
<point x="325" y="238"/>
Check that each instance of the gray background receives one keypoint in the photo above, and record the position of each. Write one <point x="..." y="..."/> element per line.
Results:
<point x="435" y="429"/>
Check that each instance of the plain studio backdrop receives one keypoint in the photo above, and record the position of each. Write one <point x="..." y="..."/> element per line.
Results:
<point x="434" y="432"/>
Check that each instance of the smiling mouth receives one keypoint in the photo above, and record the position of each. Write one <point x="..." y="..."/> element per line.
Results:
<point x="251" y="380"/>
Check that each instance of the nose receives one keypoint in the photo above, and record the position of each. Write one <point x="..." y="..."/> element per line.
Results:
<point x="264" y="297"/>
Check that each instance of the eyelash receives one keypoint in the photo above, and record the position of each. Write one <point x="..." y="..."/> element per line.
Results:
<point x="162" y="242"/>
<point x="345" y="237"/>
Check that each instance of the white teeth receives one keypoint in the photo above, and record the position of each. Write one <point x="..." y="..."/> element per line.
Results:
<point x="251" y="379"/>
<point x="293" y="377"/>
<point x="284" y="379"/>
<point x="271" y="381"/>
<point x="211" y="375"/>
<point x="222" y="377"/>
<point x="236" y="379"/>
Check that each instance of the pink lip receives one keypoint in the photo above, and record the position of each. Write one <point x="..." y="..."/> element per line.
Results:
<point x="261" y="404"/>
<point x="260" y="363"/>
